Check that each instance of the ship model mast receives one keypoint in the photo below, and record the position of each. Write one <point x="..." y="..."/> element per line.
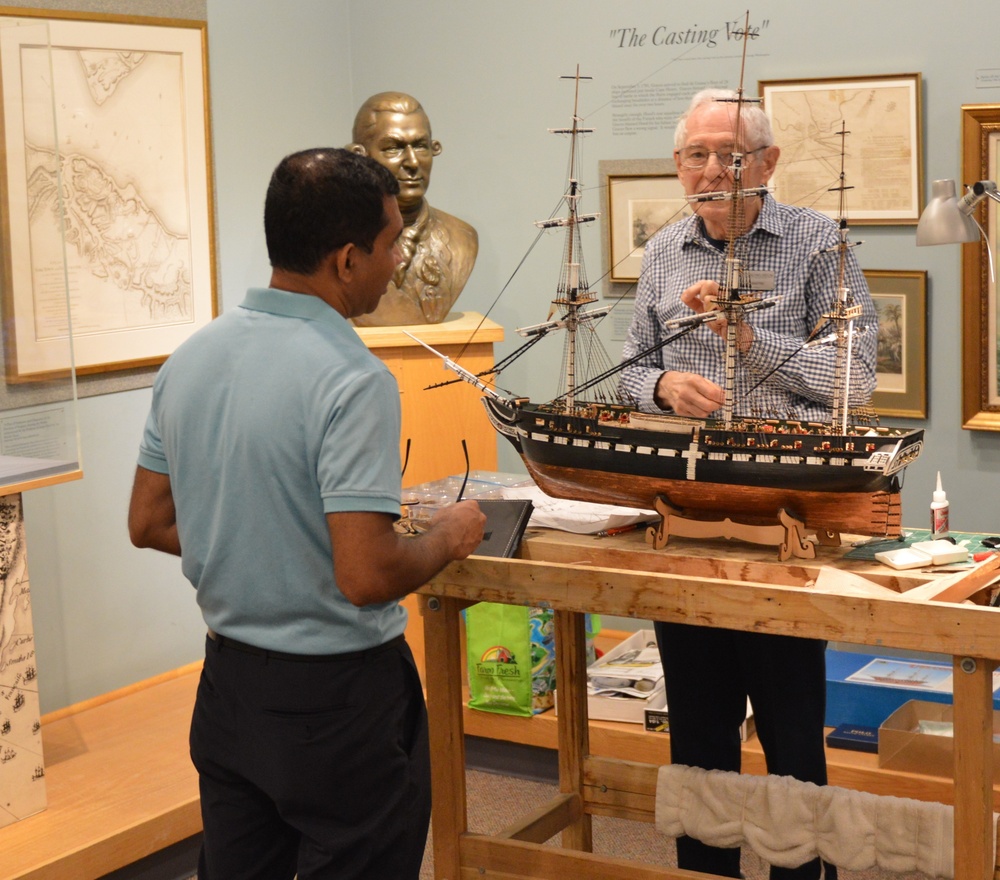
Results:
<point x="730" y="299"/>
<point x="732" y="302"/>
<point x="573" y="292"/>
<point x="844" y="309"/>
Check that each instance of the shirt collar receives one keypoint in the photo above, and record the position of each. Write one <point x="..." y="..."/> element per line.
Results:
<point x="291" y="305"/>
<point x="768" y="220"/>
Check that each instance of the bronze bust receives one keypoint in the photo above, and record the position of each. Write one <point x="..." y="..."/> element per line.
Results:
<point x="439" y="250"/>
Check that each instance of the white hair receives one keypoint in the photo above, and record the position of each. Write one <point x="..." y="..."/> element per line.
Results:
<point x="756" y="126"/>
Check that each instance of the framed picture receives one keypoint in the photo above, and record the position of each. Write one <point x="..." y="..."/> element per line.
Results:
<point x="901" y="301"/>
<point x="980" y="332"/>
<point x="127" y="187"/>
<point x="640" y="197"/>
<point x="881" y="152"/>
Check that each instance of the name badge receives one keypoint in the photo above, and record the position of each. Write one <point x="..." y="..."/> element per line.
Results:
<point x="760" y="279"/>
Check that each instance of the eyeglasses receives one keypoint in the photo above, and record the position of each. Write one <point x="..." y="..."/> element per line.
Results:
<point x="697" y="157"/>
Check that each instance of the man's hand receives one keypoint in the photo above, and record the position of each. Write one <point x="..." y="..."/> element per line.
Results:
<point x="463" y="523"/>
<point x="372" y="562"/>
<point x="688" y="394"/>
<point x="703" y="296"/>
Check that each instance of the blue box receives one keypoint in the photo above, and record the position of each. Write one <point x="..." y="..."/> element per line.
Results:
<point x="869" y="703"/>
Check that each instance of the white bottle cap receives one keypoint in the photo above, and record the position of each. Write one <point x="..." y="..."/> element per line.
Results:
<point x="939" y="492"/>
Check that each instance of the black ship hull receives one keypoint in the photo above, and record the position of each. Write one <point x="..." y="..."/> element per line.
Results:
<point x="615" y="455"/>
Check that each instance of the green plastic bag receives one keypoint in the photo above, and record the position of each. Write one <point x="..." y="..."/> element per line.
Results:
<point x="510" y="653"/>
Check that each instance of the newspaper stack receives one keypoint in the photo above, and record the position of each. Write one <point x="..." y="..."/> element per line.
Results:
<point x="631" y="669"/>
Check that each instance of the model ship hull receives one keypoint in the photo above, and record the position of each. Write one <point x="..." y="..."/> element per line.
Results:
<point x="616" y="455"/>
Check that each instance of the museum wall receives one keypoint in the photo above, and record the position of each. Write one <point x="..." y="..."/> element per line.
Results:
<point x="290" y="75"/>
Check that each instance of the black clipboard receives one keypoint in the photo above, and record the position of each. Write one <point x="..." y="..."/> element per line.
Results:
<point x="506" y="520"/>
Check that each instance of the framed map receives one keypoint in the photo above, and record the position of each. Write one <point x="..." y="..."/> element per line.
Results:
<point x="882" y="148"/>
<point x="125" y="183"/>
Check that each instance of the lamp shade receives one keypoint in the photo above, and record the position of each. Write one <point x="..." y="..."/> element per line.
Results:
<point x="942" y="222"/>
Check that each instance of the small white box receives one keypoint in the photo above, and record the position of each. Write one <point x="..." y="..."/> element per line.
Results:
<point x="923" y="553"/>
<point x="942" y="552"/>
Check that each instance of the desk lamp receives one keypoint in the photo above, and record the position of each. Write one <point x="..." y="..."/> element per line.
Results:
<point x="948" y="219"/>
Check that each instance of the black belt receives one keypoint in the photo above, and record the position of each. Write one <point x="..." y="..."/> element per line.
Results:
<point x="226" y="642"/>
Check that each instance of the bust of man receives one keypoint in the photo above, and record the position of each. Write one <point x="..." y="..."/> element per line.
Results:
<point x="439" y="250"/>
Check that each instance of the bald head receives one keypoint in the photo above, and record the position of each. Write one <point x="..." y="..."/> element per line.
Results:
<point x="394" y="130"/>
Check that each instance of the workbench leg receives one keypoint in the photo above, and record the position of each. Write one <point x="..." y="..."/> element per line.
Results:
<point x="574" y="733"/>
<point x="443" y="652"/>
<point x="973" y="718"/>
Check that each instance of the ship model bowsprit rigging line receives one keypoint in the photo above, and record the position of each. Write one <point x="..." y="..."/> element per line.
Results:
<point x="767" y="480"/>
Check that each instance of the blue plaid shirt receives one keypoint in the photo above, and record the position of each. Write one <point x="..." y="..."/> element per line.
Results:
<point x="787" y="241"/>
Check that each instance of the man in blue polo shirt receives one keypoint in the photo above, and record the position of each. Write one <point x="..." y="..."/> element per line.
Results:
<point x="270" y="465"/>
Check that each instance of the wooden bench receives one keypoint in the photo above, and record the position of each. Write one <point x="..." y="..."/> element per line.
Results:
<point x="119" y="780"/>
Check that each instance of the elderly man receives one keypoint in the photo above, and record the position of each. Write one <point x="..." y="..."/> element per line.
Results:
<point x="710" y="673"/>
<point x="438" y="250"/>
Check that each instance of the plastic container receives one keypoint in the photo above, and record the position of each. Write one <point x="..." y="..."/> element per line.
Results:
<point x="939" y="512"/>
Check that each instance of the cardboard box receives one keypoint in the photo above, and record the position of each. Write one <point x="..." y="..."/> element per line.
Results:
<point x="902" y="745"/>
<point x="657" y="719"/>
<point x="869" y="703"/>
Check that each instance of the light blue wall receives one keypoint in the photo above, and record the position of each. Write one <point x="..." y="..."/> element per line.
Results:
<point x="290" y="75"/>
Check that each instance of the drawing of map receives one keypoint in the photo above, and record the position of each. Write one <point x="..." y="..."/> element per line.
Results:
<point x="879" y="150"/>
<point x="22" y="774"/>
<point x="119" y="168"/>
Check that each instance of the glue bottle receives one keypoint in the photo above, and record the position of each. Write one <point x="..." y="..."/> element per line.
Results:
<point x="939" y="512"/>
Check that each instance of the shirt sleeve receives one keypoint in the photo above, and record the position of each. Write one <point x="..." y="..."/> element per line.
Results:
<point x="643" y="368"/>
<point x="359" y="461"/>
<point x="151" y="454"/>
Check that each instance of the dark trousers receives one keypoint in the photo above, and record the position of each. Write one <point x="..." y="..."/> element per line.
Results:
<point x="709" y="673"/>
<point x="315" y="768"/>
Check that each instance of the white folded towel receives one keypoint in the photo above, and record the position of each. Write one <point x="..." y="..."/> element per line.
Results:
<point x="788" y="822"/>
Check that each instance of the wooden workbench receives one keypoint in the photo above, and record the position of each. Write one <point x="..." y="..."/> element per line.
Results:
<point x="711" y="583"/>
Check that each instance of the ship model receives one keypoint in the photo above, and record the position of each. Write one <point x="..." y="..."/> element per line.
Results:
<point x="767" y="480"/>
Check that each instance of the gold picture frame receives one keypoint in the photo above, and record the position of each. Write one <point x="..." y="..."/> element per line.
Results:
<point x="901" y="301"/>
<point x="639" y="196"/>
<point x="980" y="332"/>
<point x="883" y="148"/>
<point x="129" y="182"/>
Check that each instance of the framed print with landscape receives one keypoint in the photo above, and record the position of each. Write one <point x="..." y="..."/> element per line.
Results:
<point x="980" y="331"/>
<point x="901" y="302"/>
<point x="882" y="148"/>
<point x="640" y="197"/>
<point x="126" y="183"/>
